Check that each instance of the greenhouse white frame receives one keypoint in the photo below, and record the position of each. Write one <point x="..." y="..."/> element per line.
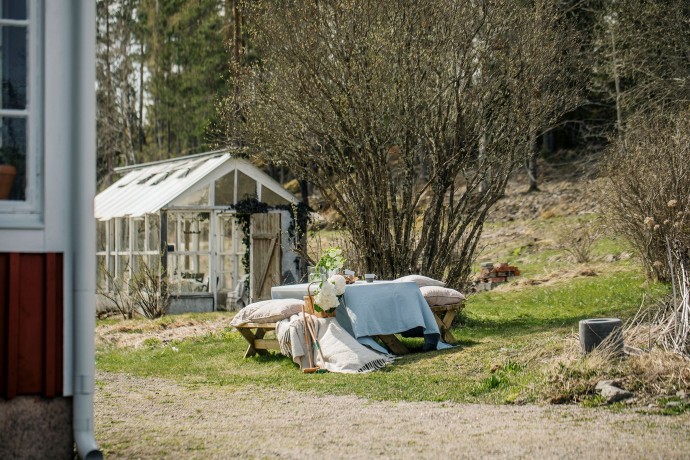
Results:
<point x="177" y="212"/>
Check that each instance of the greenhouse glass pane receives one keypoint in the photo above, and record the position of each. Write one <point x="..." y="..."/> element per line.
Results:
<point x="226" y="234"/>
<point x="172" y="232"/>
<point x="271" y="198"/>
<point x="203" y="227"/>
<point x="139" y="234"/>
<point x="124" y="234"/>
<point x="100" y="235"/>
<point x="154" y="232"/>
<point x="246" y="187"/>
<point x="225" y="190"/>
<point x="197" y="198"/>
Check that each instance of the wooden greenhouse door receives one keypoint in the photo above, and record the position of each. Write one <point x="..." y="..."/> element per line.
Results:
<point x="264" y="255"/>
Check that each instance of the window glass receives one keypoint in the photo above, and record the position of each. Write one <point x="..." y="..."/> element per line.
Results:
<point x="111" y="235"/>
<point x="225" y="190"/>
<point x="172" y="232"/>
<point x="100" y="235"/>
<point x="13" y="154"/>
<point x="195" y="232"/>
<point x="271" y="198"/>
<point x="227" y="268"/>
<point x="139" y="234"/>
<point x="188" y="273"/>
<point x="13" y="9"/>
<point x="246" y="187"/>
<point x="203" y="227"/>
<point x="13" y="60"/>
<point x="123" y="234"/>
<point x="154" y="263"/>
<point x="241" y="247"/>
<point x="123" y="268"/>
<point x="226" y="238"/>
<point x="154" y="232"/>
<point x="196" y="198"/>
<point x="102" y="278"/>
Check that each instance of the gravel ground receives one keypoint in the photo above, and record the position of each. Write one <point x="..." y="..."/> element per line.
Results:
<point x="155" y="418"/>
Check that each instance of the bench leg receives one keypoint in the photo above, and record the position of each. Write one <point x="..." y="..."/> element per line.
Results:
<point x="250" y="336"/>
<point x="445" y="324"/>
<point x="393" y="344"/>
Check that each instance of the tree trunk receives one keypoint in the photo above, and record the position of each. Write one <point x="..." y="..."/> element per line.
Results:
<point x="532" y="166"/>
<point x="304" y="190"/>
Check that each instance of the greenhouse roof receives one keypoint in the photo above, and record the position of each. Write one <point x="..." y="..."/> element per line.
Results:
<point x="149" y="187"/>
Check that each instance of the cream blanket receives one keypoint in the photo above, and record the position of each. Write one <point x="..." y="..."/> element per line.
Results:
<point x="341" y="352"/>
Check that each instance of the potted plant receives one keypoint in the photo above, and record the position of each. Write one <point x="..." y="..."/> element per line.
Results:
<point x="9" y="162"/>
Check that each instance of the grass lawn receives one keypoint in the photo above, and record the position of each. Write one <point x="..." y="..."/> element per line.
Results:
<point x="517" y="333"/>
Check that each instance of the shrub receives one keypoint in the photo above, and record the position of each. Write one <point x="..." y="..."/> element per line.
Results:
<point x="143" y="292"/>
<point x="647" y="193"/>
<point x="578" y="240"/>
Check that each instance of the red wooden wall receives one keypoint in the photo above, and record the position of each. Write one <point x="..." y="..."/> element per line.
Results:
<point x="31" y="324"/>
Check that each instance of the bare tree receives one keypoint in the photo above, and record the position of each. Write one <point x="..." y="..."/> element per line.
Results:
<point x="116" y="93"/>
<point x="399" y="111"/>
<point x="642" y="57"/>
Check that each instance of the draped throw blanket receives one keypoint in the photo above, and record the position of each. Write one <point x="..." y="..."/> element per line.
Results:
<point x="341" y="352"/>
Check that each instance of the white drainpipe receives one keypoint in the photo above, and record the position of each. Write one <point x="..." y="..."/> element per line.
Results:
<point x="83" y="191"/>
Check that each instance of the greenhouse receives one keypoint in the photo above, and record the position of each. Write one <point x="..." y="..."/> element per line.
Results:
<point x="177" y="217"/>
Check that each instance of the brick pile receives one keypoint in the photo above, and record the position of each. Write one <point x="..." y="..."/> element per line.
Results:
<point x="492" y="275"/>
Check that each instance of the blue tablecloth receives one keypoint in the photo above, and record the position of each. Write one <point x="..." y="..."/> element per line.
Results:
<point x="379" y="308"/>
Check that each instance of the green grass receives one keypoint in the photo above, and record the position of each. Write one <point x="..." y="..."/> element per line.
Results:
<point x="501" y="330"/>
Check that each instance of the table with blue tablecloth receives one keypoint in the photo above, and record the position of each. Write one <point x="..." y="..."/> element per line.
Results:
<point x="379" y="309"/>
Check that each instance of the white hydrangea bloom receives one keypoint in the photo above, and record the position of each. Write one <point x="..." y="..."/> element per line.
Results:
<point x="339" y="282"/>
<point x="326" y="298"/>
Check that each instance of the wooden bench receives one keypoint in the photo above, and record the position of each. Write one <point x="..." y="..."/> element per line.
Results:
<point x="254" y="334"/>
<point x="445" y="314"/>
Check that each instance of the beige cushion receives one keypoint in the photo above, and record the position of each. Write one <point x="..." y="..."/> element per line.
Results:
<point x="267" y="311"/>
<point x="421" y="280"/>
<point x="437" y="295"/>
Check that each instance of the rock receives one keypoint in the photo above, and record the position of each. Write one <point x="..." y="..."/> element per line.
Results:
<point x="609" y="390"/>
<point x="603" y="383"/>
<point x="614" y="394"/>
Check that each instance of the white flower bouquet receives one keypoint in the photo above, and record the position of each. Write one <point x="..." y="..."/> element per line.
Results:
<point x="326" y="298"/>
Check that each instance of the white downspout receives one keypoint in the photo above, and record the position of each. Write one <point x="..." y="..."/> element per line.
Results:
<point x="83" y="191"/>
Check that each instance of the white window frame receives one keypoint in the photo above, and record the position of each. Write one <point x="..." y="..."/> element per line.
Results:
<point x="29" y="213"/>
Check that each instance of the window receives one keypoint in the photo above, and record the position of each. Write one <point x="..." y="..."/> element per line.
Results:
<point x="189" y="252"/>
<point x="123" y="245"/>
<point x="20" y="106"/>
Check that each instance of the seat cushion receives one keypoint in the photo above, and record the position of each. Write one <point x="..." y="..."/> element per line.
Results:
<point x="267" y="311"/>
<point x="438" y="295"/>
<point x="421" y="280"/>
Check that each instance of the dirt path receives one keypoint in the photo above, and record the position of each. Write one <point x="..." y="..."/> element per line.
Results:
<point x="156" y="418"/>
